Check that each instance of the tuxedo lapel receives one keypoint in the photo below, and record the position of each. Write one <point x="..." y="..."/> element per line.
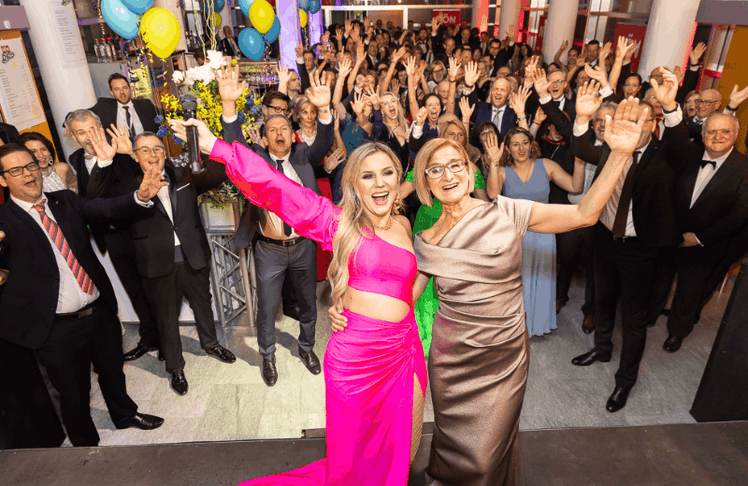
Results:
<point x="27" y="223"/>
<point x="172" y="189"/>
<point x="723" y="175"/>
<point x="689" y="182"/>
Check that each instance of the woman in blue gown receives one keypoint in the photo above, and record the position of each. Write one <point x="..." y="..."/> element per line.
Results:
<point x="520" y="173"/>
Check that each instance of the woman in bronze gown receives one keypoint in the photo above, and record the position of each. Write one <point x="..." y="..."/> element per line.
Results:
<point x="479" y="351"/>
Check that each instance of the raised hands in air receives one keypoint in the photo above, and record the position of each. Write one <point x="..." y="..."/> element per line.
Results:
<point x="623" y="131"/>
<point x="153" y="181"/>
<point x="665" y="92"/>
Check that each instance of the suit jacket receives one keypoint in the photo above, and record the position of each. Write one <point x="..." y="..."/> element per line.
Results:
<point x="657" y="169"/>
<point x="306" y="161"/>
<point x="106" y="109"/>
<point x="96" y="184"/>
<point x="721" y="208"/>
<point x="564" y="128"/>
<point x="228" y="49"/>
<point x="483" y="112"/>
<point x="153" y="232"/>
<point x="28" y="302"/>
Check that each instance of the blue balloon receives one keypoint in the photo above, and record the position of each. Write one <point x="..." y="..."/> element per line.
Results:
<point x="252" y="44"/>
<point x="314" y="6"/>
<point x="137" y="6"/>
<point x="244" y="5"/>
<point x="272" y="34"/>
<point x="121" y="20"/>
<point x="304" y="5"/>
<point x="218" y="5"/>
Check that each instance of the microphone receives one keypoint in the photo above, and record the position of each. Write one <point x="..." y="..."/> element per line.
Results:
<point x="189" y="110"/>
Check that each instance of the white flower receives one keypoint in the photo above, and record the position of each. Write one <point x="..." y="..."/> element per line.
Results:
<point x="215" y="59"/>
<point x="178" y="77"/>
<point x="204" y="73"/>
<point x="191" y="76"/>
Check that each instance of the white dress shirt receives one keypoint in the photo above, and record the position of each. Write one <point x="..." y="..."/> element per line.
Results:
<point x="272" y="219"/>
<point x="497" y="114"/>
<point x="137" y="127"/>
<point x="91" y="163"/>
<point x="71" y="298"/>
<point x="589" y="175"/>
<point x="705" y="175"/>
<point x="163" y="196"/>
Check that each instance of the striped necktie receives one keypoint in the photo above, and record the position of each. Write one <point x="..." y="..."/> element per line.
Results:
<point x="54" y="232"/>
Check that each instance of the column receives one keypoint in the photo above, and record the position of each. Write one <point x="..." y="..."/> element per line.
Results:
<point x="315" y="27"/>
<point x="509" y="17"/>
<point x="559" y="27"/>
<point x="68" y="84"/>
<point x="290" y="37"/>
<point x="670" y="28"/>
<point x="173" y="7"/>
<point x="480" y="14"/>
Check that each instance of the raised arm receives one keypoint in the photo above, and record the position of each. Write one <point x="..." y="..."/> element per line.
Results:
<point x="622" y="136"/>
<point x="310" y="215"/>
<point x="410" y="69"/>
<point x="496" y="174"/>
<point x="343" y="69"/>
<point x="360" y="57"/>
<point x="624" y="46"/>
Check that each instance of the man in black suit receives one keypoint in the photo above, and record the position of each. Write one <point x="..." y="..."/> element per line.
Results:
<point x="228" y="43"/>
<point x="372" y="55"/>
<point x="707" y="105"/>
<point x="58" y="300"/>
<point x="172" y="252"/>
<point x="279" y="249"/>
<point x="94" y="181"/>
<point x="711" y="203"/>
<point x="636" y="224"/>
<point x="137" y="115"/>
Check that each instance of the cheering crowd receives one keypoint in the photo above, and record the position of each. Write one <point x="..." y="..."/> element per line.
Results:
<point x="533" y="138"/>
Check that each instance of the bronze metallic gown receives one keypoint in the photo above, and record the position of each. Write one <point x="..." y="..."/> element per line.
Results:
<point x="480" y="350"/>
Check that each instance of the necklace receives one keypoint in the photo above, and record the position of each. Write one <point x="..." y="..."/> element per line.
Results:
<point x="385" y="227"/>
<point x="309" y="139"/>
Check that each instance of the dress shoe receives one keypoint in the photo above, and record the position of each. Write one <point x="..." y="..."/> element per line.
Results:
<point x="618" y="399"/>
<point x="179" y="382"/>
<point x="269" y="371"/>
<point x="221" y="354"/>
<point x="672" y="344"/>
<point x="311" y="361"/>
<point x="590" y="357"/>
<point x="588" y="324"/>
<point x="141" y="421"/>
<point x="137" y="352"/>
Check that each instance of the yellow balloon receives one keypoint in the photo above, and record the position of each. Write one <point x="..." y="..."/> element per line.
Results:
<point x="262" y="15"/>
<point x="161" y="28"/>
<point x="217" y="19"/>
<point x="302" y="18"/>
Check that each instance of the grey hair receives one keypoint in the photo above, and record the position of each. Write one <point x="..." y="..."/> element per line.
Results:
<point x="142" y="135"/>
<point x="735" y="120"/>
<point x="79" y="116"/>
<point x="607" y="105"/>
<point x="263" y="131"/>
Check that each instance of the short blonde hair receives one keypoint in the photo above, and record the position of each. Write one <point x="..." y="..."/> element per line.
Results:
<point x="301" y="103"/>
<point x="422" y="161"/>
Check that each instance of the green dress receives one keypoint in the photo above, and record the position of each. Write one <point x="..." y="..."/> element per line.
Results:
<point x="425" y="308"/>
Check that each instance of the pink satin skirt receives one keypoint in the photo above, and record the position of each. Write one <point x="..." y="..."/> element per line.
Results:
<point x="369" y="370"/>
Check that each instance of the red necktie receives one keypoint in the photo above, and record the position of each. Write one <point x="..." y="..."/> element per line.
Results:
<point x="657" y="127"/>
<point x="54" y="232"/>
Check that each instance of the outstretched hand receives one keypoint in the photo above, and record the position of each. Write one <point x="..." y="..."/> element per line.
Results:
<point x="103" y="149"/>
<point x="597" y="73"/>
<point x="466" y="109"/>
<point x="540" y="81"/>
<point x="665" y="92"/>
<point x="229" y="88"/>
<point x="122" y="135"/>
<point x="205" y="137"/>
<point x="471" y="73"/>
<point x="493" y="149"/>
<point x="153" y="181"/>
<point x="623" y="131"/>
<point x="737" y="97"/>
<point x="588" y="100"/>
<point x="318" y="93"/>
<point x="695" y="54"/>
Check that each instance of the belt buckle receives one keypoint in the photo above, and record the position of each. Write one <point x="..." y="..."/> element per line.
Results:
<point x="85" y="312"/>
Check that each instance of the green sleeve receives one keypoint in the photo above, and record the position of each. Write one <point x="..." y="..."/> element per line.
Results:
<point x="412" y="179"/>
<point x="480" y="182"/>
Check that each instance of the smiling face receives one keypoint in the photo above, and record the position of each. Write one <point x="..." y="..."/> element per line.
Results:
<point x="149" y="152"/>
<point x="598" y="123"/>
<point x="433" y="107"/>
<point x="689" y="106"/>
<point x="278" y="136"/>
<point x="451" y="187"/>
<point x="40" y="152"/>
<point x="500" y="90"/>
<point x="377" y="184"/>
<point x="720" y="132"/>
<point x="309" y="61"/>
<point x="373" y="49"/>
<point x="572" y="57"/>
<point x="27" y="186"/>
<point x="438" y="72"/>
<point x="519" y="147"/>
<point x="120" y="90"/>
<point x="709" y="102"/>
<point x="453" y="132"/>
<point x="449" y="46"/>
<point x="390" y="106"/>
<point x="557" y="80"/>
<point x="402" y="76"/>
<point x="442" y="89"/>
<point x="631" y="86"/>
<point x="82" y="133"/>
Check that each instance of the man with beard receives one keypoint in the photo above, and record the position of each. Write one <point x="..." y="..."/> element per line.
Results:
<point x="137" y="115"/>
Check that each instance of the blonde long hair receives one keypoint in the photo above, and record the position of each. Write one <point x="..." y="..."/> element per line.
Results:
<point x="401" y="121"/>
<point x="354" y="221"/>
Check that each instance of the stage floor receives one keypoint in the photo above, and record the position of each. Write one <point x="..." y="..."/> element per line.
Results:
<point x="660" y="455"/>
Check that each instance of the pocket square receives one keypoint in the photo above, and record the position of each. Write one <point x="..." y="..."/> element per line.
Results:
<point x="183" y="186"/>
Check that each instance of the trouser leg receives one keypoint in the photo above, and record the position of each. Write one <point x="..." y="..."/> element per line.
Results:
<point x="195" y="285"/>
<point x="164" y="296"/>
<point x="606" y="289"/>
<point x="271" y="262"/>
<point x="303" y="266"/>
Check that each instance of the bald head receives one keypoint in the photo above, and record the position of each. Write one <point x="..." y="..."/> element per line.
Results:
<point x="709" y="103"/>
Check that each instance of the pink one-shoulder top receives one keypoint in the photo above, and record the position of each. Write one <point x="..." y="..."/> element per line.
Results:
<point x="380" y="267"/>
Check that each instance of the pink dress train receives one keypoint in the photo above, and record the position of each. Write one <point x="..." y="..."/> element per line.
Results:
<point x="369" y="368"/>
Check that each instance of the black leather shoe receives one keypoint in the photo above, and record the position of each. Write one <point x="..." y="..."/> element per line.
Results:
<point x="142" y="421"/>
<point x="588" y="324"/>
<point x="672" y="344"/>
<point x="590" y="357"/>
<point x="311" y="361"/>
<point x="221" y="354"/>
<point x="269" y="371"/>
<point x="179" y="382"/>
<point x="618" y="399"/>
<point x="137" y="352"/>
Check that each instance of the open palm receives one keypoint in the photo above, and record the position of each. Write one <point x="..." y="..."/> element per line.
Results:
<point x="623" y="132"/>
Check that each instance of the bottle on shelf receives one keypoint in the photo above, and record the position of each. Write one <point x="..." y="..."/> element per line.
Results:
<point x="97" y="50"/>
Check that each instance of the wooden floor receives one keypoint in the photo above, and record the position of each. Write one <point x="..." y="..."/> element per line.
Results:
<point x="662" y="455"/>
<point x="231" y="402"/>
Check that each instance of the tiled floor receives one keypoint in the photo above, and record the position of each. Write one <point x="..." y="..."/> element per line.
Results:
<point x="231" y="402"/>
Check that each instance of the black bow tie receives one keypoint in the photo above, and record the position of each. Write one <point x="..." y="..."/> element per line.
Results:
<point x="704" y="163"/>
